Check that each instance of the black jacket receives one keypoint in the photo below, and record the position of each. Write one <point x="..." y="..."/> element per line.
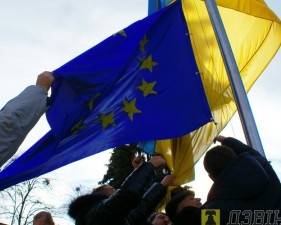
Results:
<point x="248" y="183"/>
<point x="127" y="206"/>
<point x="188" y="216"/>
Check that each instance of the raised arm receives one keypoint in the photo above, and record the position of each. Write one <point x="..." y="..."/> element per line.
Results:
<point x="21" y="113"/>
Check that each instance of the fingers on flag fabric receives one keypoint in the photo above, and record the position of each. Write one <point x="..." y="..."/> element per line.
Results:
<point x="142" y="83"/>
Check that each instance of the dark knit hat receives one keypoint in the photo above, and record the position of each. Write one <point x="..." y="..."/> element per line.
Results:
<point x="217" y="158"/>
<point x="171" y="207"/>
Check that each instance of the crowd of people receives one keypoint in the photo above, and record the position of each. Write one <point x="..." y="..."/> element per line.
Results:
<point x="244" y="181"/>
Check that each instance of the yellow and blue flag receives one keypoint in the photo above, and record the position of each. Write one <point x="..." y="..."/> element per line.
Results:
<point x="141" y="58"/>
<point x="140" y="84"/>
<point x="254" y="33"/>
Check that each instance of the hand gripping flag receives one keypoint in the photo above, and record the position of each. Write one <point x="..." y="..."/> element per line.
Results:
<point x="142" y="83"/>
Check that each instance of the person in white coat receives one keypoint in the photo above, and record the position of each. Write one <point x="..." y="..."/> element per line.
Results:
<point x="21" y="113"/>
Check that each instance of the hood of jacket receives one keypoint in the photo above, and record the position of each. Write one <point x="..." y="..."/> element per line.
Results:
<point x="82" y="204"/>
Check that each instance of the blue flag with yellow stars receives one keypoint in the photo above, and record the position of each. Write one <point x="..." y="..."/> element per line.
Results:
<point x="140" y="84"/>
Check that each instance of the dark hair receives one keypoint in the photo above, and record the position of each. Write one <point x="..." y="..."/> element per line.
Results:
<point x="99" y="190"/>
<point x="177" y="195"/>
<point x="217" y="158"/>
<point x="43" y="214"/>
<point x="180" y="189"/>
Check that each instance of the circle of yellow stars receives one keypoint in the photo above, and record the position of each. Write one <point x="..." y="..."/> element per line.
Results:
<point x="129" y="107"/>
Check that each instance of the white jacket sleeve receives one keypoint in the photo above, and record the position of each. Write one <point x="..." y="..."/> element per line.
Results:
<point x="18" y="117"/>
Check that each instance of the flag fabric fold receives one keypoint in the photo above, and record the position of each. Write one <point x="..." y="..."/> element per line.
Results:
<point x="254" y="33"/>
<point x="140" y="84"/>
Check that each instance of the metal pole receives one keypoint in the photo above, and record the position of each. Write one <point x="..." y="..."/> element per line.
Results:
<point x="240" y="95"/>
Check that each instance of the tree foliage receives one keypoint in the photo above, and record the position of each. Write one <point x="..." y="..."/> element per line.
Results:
<point x="21" y="202"/>
<point x="120" y="164"/>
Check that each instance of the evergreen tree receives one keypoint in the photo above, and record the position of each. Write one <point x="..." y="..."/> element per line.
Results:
<point x="120" y="164"/>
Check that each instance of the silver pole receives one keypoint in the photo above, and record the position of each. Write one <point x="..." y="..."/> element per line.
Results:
<point x="240" y="95"/>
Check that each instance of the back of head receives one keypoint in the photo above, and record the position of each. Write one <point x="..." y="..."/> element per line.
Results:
<point x="43" y="218"/>
<point x="104" y="190"/>
<point x="216" y="159"/>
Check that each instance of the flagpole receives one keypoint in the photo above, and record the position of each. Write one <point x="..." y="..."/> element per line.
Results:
<point x="240" y="95"/>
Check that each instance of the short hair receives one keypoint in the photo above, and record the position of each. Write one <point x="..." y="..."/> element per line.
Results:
<point x="217" y="158"/>
<point x="46" y="215"/>
<point x="99" y="190"/>
<point x="177" y="195"/>
<point x="180" y="189"/>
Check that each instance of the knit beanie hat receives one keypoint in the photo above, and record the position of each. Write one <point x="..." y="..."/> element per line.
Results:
<point x="217" y="158"/>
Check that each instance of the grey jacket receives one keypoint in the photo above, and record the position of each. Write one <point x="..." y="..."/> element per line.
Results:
<point x="18" y="117"/>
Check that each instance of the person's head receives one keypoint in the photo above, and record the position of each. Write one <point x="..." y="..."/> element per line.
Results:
<point x="216" y="159"/>
<point x="104" y="189"/>
<point x="43" y="218"/>
<point x="179" y="201"/>
<point x="80" y="205"/>
<point x="159" y="218"/>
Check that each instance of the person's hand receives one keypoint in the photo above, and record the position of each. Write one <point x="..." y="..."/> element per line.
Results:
<point x="168" y="180"/>
<point x="45" y="80"/>
<point x="219" y="138"/>
<point x="157" y="161"/>
<point x="137" y="161"/>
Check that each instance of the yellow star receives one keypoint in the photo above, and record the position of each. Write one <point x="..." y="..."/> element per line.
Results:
<point x="143" y="42"/>
<point x="122" y="32"/>
<point x="130" y="108"/>
<point x="147" y="63"/>
<point x="147" y="88"/>
<point x="107" y="120"/>
<point x="74" y="130"/>
<point x="91" y="103"/>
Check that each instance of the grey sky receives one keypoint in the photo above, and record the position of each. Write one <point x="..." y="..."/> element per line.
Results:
<point x="38" y="35"/>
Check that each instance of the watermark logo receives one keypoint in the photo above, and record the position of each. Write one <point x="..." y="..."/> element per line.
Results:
<point x="210" y="217"/>
<point x="254" y="217"/>
<point x="242" y="217"/>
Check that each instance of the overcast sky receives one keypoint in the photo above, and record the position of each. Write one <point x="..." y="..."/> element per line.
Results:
<point x="43" y="35"/>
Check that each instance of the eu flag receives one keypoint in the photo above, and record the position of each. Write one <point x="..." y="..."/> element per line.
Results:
<point x="140" y="84"/>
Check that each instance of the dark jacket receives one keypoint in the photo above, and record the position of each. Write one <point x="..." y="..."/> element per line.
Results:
<point x="147" y="206"/>
<point x="188" y="216"/>
<point x="127" y="206"/>
<point x="249" y="182"/>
